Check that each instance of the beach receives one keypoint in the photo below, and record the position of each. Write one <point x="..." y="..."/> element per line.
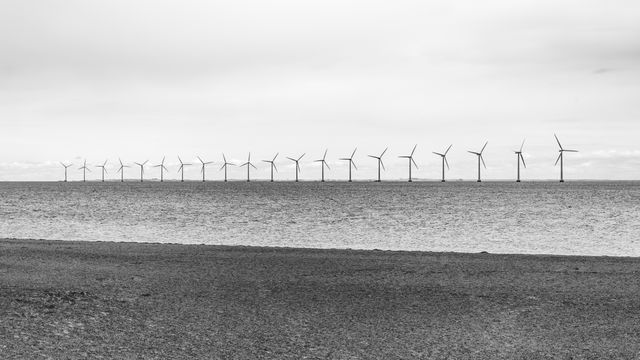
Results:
<point x="73" y="300"/>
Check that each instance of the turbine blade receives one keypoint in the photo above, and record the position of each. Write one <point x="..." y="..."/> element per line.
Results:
<point x="558" y="159"/>
<point x="414" y="149"/>
<point x="522" y="158"/>
<point x="485" y="145"/>
<point x="521" y="146"/>
<point x="324" y="162"/>
<point x="449" y="148"/>
<point x="571" y="150"/>
<point x="301" y="156"/>
<point x="354" y="152"/>
<point x="274" y="158"/>
<point x="200" y="159"/>
<point x="414" y="163"/>
<point x="325" y="154"/>
<point x="371" y="156"/>
<point x="437" y="153"/>
<point x="253" y="166"/>
<point x="223" y="157"/>
<point x="385" y="150"/>
<point x="382" y="163"/>
<point x="354" y="164"/>
<point x="482" y="159"/>
<point x="446" y="162"/>
<point x="179" y="159"/>
<point x="291" y="159"/>
<point x="274" y="166"/>
<point x="554" y="135"/>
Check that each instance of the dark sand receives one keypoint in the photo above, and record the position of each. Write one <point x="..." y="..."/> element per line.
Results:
<point x="122" y="300"/>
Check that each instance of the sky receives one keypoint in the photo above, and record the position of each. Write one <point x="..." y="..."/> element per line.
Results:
<point x="139" y="80"/>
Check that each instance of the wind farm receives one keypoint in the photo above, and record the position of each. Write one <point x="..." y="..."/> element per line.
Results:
<point x="412" y="167"/>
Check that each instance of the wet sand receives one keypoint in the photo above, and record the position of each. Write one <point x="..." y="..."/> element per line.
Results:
<point x="127" y="300"/>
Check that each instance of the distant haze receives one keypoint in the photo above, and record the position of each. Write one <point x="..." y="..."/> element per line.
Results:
<point x="142" y="79"/>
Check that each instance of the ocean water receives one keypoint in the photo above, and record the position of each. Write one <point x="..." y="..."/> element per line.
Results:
<point x="579" y="218"/>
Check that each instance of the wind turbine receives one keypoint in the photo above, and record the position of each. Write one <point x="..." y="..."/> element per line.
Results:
<point x="65" y="170"/>
<point x="479" y="155"/>
<point x="444" y="160"/>
<point x="162" y="169"/>
<point x="84" y="169"/>
<point x="121" y="170"/>
<point x="224" y="166"/>
<point x="104" y="169"/>
<point x="350" y="160"/>
<point x="520" y="157"/>
<point x="248" y="164"/>
<point x="323" y="163"/>
<point x="204" y="164"/>
<point x="142" y="169"/>
<point x="561" y="158"/>
<point x="380" y="163"/>
<point x="297" y="164"/>
<point x="411" y="161"/>
<point x="273" y="164"/>
<point x="181" y="169"/>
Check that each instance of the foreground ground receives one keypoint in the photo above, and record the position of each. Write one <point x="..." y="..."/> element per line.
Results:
<point x="123" y="300"/>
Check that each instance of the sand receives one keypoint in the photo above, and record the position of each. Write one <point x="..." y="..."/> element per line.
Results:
<point x="67" y="300"/>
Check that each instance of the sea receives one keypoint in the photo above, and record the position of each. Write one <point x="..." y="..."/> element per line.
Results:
<point x="572" y="218"/>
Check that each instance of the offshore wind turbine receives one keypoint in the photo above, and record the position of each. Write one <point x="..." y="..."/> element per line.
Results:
<point x="380" y="163"/>
<point x="272" y="163"/>
<point x="411" y="161"/>
<point x="561" y="158"/>
<point x="204" y="165"/>
<point x="518" y="158"/>
<point x="351" y="162"/>
<point x="444" y="160"/>
<point x="224" y="166"/>
<point x="121" y="170"/>
<point x="248" y="164"/>
<point x="297" y="164"/>
<point x="323" y="163"/>
<point x="104" y="169"/>
<point x="479" y="155"/>
<point x="142" y="169"/>
<point x="181" y="169"/>
<point x="65" y="170"/>
<point x="162" y="169"/>
<point x="84" y="169"/>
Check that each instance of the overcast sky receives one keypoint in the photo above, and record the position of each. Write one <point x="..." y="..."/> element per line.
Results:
<point x="142" y="79"/>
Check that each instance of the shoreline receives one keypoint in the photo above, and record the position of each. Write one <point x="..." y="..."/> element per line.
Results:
<point x="76" y="299"/>
<point x="311" y="249"/>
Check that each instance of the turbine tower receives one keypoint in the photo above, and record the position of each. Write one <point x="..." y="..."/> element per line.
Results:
<point x="181" y="169"/>
<point x="224" y="166"/>
<point x="323" y="163"/>
<point x="518" y="158"/>
<point x="444" y="160"/>
<point x="162" y="169"/>
<point x="272" y="164"/>
<point x="65" y="170"/>
<point x="142" y="169"/>
<point x="561" y="158"/>
<point x="411" y="161"/>
<point x="350" y="160"/>
<point x="248" y="164"/>
<point x="480" y="158"/>
<point x="204" y="165"/>
<point x="104" y="169"/>
<point x="84" y="169"/>
<point x="121" y="170"/>
<point x="380" y="163"/>
<point x="297" y="164"/>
